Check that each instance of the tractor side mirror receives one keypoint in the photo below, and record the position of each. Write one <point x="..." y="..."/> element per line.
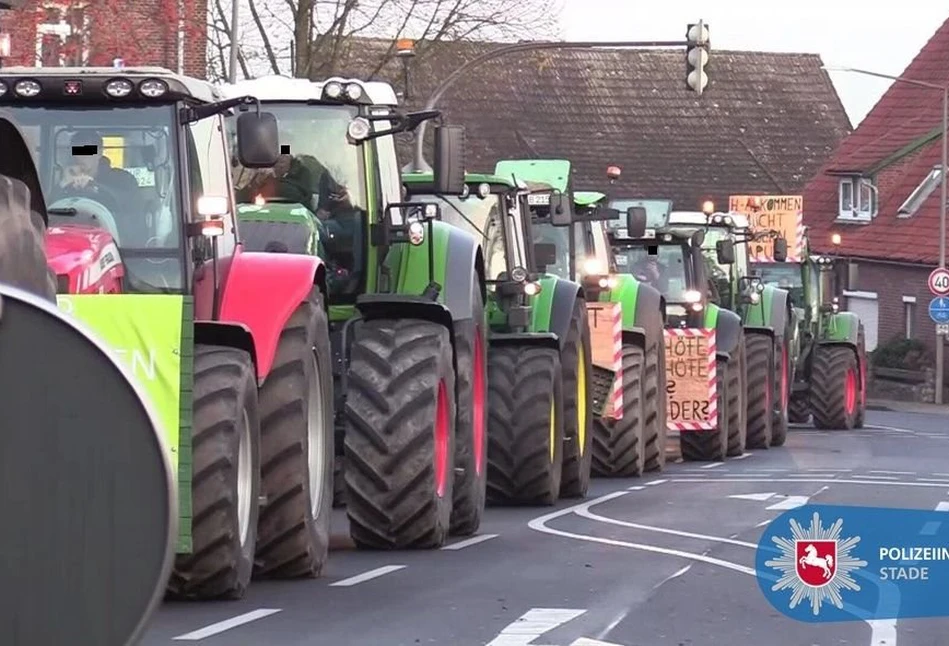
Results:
<point x="725" y="251"/>
<point x="258" y="140"/>
<point x="780" y="250"/>
<point x="561" y="210"/>
<point x="449" y="168"/>
<point x="545" y="255"/>
<point x="636" y="222"/>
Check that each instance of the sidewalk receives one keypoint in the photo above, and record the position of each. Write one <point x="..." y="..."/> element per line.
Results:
<point x="907" y="407"/>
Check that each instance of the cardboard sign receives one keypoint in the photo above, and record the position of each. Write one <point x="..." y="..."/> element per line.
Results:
<point x="606" y="342"/>
<point x="781" y="213"/>
<point x="691" y="397"/>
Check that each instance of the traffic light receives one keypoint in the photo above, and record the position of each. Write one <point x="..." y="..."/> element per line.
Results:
<point x="696" y="57"/>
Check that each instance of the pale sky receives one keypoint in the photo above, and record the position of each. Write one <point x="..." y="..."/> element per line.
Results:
<point x="877" y="36"/>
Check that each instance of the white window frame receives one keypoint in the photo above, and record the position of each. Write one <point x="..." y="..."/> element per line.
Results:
<point x="864" y="199"/>
<point x="909" y="316"/>
<point x="62" y="29"/>
<point x="921" y="193"/>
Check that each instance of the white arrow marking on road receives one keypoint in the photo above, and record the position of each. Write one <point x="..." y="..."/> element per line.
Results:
<point x="757" y="497"/>
<point x="366" y="576"/>
<point x="882" y="632"/>
<point x="534" y="623"/>
<point x="791" y="502"/>
<point x="460" y="545"/>
<point x="227" y="624"/>
<point x="585" y="641"/>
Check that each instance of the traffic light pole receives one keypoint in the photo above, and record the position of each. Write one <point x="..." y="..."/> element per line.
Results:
<point x="418" y="161"/>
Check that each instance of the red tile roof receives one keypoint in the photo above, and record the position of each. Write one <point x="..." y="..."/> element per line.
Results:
<point x="904" y="115"/>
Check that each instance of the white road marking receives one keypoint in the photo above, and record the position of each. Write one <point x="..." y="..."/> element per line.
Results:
<point x="941" y="475"/>
<point x="227" y="624"/>
<point x="635" y="488"/>
<point x="791" y="502"/>
<point x="366" y="576"/>
<point x="532" y="624"/>
<point x="829" y="470"/>
<point x="933" y="480"/>
<point x="584" y="641"/>
<point x="474" y="540"/>
<point x="757" y="497"/>
<point x="895" y="473"/>
<point x="813" y="475"/>
<point x="742" y="456"/>
<point x="815" y="480"/>
<point x="539" y="524"/>
<point x="655" y="482"/>
<point x="876" y="477"/>
<point x="943" y="506"/>
<point x="674" y="575"/>
<point x="763" y="523"/>
<point x="882" y="632"/>
<point x="712" y="465"/>
<point x="586" y="513"/>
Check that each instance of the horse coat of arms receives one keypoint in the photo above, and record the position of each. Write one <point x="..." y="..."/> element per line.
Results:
<point x="816" y="561"/>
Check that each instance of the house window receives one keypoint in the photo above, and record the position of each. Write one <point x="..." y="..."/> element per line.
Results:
<point x="909" y="316"/>
<point x="858" y="199"/>
<point x="62" y="38"/>
<point x="921" y="193"/>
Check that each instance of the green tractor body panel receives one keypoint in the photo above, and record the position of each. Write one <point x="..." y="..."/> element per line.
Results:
<point x="625" y="292"/>
<point x="553" y="172"/>
<point x="588" y="198"/>
<point x="152" y="335"/>
<point x="281" y="215"/>
<point x="711" y="315"/>
<point x="542" y="304"/>
<point x="840" y="328"/>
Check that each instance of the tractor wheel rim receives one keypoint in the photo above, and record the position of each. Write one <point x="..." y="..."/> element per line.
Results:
<point x="245" y="479"/>
<point x="784" y="378"/>
<point x="442" y="424"/>
<point x="479" y="396"/>
<point x="581" y="399"/>
<point x="316" y="439"/>
<point x="553" y="430"/>
<point x="850" y="391"/>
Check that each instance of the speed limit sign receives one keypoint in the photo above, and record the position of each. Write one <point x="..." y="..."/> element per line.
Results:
<point x="939" y="282"/>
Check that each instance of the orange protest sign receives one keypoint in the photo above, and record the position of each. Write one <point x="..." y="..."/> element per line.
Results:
<point x="781" y="213"/>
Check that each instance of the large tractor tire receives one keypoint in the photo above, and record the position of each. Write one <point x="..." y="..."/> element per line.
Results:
<point x="799" y="411"/>
<point x="576" y="362"/>
<point x="618" y="445"/>
<point x="471" y="427"/>
<point x="297" y="449"/>
<point x="862" y="399"/>
<point x="655" y="427"/>
<point x="710" y="446"/>
<point x="737" y="402"/>
<point x="759" y="352"/>
<point x="782" y="392"/>
<point x="525" y="440"/>
<point x="225" y="447"/>
<point x="400" y="434"/>
<point x="835" y="387"/>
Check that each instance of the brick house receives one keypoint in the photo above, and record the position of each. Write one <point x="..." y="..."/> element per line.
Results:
<point x="880" y="192"/>
<point x="766" y="123"/>
<point x="56" y="33"/>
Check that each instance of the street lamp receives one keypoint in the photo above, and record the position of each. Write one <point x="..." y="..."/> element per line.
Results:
<point x="940" y="342"/>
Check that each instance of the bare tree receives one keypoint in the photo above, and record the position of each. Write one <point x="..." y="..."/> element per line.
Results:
<point x="317" y="38"/>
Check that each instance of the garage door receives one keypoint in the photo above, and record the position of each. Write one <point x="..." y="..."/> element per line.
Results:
<point x="866" y="305"/>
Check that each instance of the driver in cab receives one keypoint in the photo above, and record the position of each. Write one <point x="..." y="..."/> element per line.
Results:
<point x="91" y="170"/>
<point x="650" y="271"/>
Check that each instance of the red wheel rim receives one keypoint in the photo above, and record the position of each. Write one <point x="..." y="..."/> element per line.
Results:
<point x="784" y="378"/>
<point x="479" y="396"/>
<point x="863" y="382"/>
<point x="442" y="423"/>
<point x="850" y="391"/>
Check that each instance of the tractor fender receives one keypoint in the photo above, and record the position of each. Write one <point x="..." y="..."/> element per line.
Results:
<point x="771" y="312"/>
<point x="262" y="291"/>
<point x="728" y="328"/>
<point x="538" y="339"/>
<point x="635" y="336"/>
<point x="459" y="262"/>
<point x="552" y="308"/>
<point x="643" y="309"/>
<point x="842" y="328"/>
<point x="232" y="335"/>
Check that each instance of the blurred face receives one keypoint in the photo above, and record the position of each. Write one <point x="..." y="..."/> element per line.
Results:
<point x="89" y="164"/>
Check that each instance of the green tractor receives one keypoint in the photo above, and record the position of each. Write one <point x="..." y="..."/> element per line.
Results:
<point x="539" y="354"/>
<point x="674" y="262"/>
<point x="406" y="305"/>
<point x="631" y="440"/>
<point x="765" y="311"/>
<point x="830" y="373"/>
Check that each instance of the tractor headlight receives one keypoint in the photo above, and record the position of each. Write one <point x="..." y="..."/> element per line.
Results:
<point x="692" y="296"/>
<point x="416" y="233"/>
<point x="592" y="266"/>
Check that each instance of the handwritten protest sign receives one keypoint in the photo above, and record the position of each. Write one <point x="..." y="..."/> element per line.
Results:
<point x="606" y="342"/>
<point x="781" y="213"/>
<point x="691" y="397"/>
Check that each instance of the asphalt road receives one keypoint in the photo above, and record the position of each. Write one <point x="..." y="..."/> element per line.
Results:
<point x="665" y="560"/>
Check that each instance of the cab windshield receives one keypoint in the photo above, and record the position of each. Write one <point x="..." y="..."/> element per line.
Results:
<point x="665" y="269"/>
<point x="322" y="171"/>
<point x="114" y="168"/>
<point x="546" y="233"/>
<point x="784" y="276"/>
<point x="481" y="217"/>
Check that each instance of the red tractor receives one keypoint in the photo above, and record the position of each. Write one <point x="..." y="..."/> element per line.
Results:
<point x="232" y="347"/>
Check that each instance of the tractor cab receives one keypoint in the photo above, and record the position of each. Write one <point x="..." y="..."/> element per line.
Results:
<point x="133" y="165"/>
<point x="337" y="180"/>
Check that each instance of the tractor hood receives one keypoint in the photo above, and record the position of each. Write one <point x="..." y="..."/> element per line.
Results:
<point x="82" y="257"/>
